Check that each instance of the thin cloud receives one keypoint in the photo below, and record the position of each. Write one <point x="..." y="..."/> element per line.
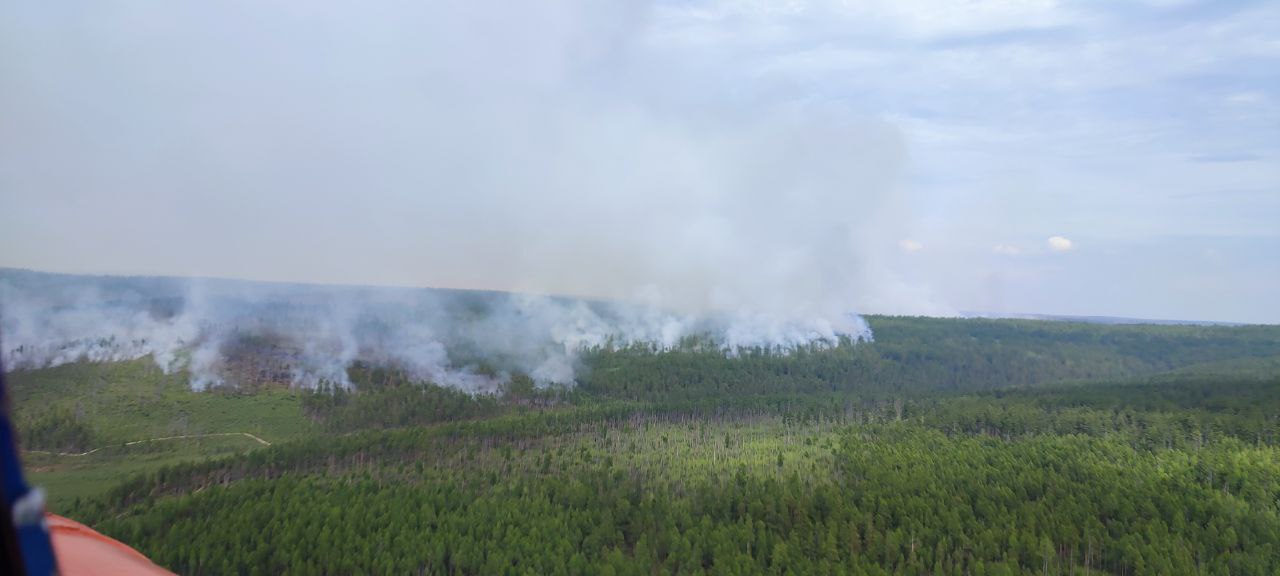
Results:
<point x="1246" y="98"/>
<point x="1060" y="244"/>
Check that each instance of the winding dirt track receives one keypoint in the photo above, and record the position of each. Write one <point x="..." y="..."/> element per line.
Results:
<point x="245" y="434"/>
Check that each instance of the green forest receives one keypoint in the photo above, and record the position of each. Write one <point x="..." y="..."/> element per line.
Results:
<point x="943" y="446"/>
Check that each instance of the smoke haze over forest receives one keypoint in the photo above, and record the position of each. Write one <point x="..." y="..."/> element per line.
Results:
<point x="220" y="331"/>
<point x="791" y="163"/>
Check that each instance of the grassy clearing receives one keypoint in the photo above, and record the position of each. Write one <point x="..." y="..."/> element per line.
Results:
<point x="125" y="401"/>
<point x="66" y="478"/>
<point x="129" y="401"/>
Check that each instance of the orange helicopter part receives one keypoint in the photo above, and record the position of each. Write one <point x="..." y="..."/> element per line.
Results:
<point x="83" y="551"/>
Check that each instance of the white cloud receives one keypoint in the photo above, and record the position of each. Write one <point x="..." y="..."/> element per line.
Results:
<point x="1060" y="244"/>
<point x="910" y="246"/>
<point x="1006" y="249"/>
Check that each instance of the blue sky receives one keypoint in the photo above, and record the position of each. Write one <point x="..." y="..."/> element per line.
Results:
<point x="907" y="157"/>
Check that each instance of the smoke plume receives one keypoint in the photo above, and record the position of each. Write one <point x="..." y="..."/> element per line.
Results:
<point x="225" y="332"/>
<point x="584" y="149"/>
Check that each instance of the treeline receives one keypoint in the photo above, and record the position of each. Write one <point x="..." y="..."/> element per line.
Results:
<point x="924" y="355"/>
<point x="910" y="358"/>
<point x="1185" y="411"/>
<point x="388" y="398"/>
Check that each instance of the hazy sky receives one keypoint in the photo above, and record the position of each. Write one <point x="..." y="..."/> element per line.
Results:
<point x="1109" y="158"/>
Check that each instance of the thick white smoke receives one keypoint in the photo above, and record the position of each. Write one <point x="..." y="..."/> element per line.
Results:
<point x="577" y="148"/>
<point x="597" y="149"/>
<point x="47" y="321"/>
<point x="224" y="332"/>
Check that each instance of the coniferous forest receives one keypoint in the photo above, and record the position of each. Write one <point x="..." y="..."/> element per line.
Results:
<point x="943" y="446"/>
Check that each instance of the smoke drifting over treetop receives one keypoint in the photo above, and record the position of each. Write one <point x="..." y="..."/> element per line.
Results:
<point x="226" y="332"/>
